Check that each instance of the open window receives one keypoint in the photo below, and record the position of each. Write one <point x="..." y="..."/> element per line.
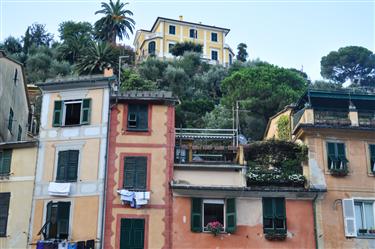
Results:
<point x="213" y="211"/>
<point x="137" y="117"/>
<point x="72" y="112"/>
<point x="372" y="157"/>
<point x="56" y="225"/>
<point x="337" y="162"/>
<point x="359" y="218"/>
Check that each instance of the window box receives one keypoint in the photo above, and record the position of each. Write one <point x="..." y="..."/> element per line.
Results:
<point x="362" y="231"/>
<point x="339" y="172"/>
<point x="337" y="162"/>
<point x="273" y="235"/>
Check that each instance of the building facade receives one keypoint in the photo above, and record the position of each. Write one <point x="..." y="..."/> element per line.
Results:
<point x="14" y="102"/>
<point x="339" y="129"/>
<point x="68" y="200"/>
<point x="17" y="171"/>
<point x="138" y="199"/>
<point x="166" y="32"/>
<point x="211" y="188"/>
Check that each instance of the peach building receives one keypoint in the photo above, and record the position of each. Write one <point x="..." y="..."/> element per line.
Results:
<point x="140" y="163"/>
<point x="339" y="129"/>
<point x="211" y="185"/>
<point x="68" y="200"/>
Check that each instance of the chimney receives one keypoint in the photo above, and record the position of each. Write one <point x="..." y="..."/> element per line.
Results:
<point x="108" y="72"/>
<point x="181" y="17"/>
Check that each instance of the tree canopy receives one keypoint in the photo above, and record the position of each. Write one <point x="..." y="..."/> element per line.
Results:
<point x="352" y="63"/>
<point x="180" y="48"/>
<point x="242" y="53"/>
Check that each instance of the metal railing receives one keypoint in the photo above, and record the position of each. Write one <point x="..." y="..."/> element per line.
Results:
<point x="332" y="117"/>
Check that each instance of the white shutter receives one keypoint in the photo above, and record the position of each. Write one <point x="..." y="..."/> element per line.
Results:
<point x="349" y="217"/>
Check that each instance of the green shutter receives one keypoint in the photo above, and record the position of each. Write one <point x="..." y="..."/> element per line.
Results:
<point x="280" y="208"/>
<point x="57" y="113"/>
<point x="231" y="215"/>
<point x="63" y="211"/>
<point x="341" y="151"/>
<point x="132" y="233"/>
<point x="48" y="219"/>
<point x="138" y="226"/>
<point x="19" y="137"/>
<point x="86" y="111"/>
<point x="129" y="172"/>
<point x="140" y="181"/>
<point x="142" y="122"/>
<point x="10" y="119"/>
<point x="5" y="161"/>
<point x="268" y="208"/>
<point x="62" y="164"/>
<point x="72" y="165"/>
<point x="331" y="154"/>
<point x="4" y="212"/>
<point x="196" y="215"/>
<point x="372" y="157"/>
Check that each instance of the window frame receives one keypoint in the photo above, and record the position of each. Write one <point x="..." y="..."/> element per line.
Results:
<point x="5" y="196"/>
<point x="66" y="174"/>
<point x="56" y="201"/>
<point x="195" y="34"/>
<point x="3" y="173"/>
<point x="137" y="158"/>
<point x="214" y="201"/>
<point x="217" y="54"/>
<point x="214" y="33"/>
<point x="137" y="114"/>
<point x="64" y="112"/>
<point x="169" y="29"/>
<point x="148" y="48"/>
<point x="169" y="45"/>
<point x="363" y="201"/>
<point x="274" y="232"/>
<point x="336" y="171"/>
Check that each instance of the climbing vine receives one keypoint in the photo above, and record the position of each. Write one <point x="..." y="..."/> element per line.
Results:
<point x="283" y="128"/>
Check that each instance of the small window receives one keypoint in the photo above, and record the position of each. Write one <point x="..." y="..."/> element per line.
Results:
<point x="337" y="162"/>
<point x="151" y="48"/>
<point x="230" y="59"/>
<point x="364" y="217"/>
<point x="5" y="161"/>
<point x="172" y="29"/>
<point x="213" y="210"/>
<point x="19" y="136"/>
<point x="214" y="55"/>
<point x="67" y="166"/>
<point x="170" y="47"/>
<point x="214" y="37"/>
<point x="57" y="221"/>
<point x="10" y="119"/>
<point x="70" y="113"/>
<point x="372" y="157"/>
<point x="4" y="212"/>
<point x="135" y="173"/>
<point x="137" y="117"/>
<point x="193" y="33"/>
<point x="274" y="217"/>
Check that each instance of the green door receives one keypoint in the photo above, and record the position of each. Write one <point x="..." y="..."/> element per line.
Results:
<point x="132" y="233"/>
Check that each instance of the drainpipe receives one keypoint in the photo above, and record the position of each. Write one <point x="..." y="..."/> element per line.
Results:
<point x="315" y="222"/>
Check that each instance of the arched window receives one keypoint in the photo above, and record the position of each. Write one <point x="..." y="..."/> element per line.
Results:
<point x="151" y="47"/>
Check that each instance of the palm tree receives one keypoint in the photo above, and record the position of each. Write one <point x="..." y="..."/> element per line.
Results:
<point x="96" y="57"/>
<point x="115" y="23"/>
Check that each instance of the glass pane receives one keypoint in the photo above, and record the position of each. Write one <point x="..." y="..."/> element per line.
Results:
<point x="358" y="215"/>
<point x="213" y="212"/>
<point x="73" y="114"/>
<point x="369" y="214"/>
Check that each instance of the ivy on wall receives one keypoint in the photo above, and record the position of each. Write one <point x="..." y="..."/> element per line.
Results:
<point x="283" y="128"/>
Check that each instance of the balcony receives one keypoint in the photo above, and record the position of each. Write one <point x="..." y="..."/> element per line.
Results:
<point x="366" y="118"/>
<point x="332" y="117"/>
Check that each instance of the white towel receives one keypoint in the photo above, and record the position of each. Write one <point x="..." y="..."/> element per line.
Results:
<point x="142" y="195"/>
<point x="59" y="189"/>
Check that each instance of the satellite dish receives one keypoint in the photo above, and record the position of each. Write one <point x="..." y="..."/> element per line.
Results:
<point x="242" y="139"/>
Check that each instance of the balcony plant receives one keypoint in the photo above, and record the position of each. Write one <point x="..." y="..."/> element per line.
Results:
<point x="372" y="231"/>
<point x="215" y="227"/>
<point x="362" y="231"/>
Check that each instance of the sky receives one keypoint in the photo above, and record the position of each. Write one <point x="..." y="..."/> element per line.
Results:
<point x="287" y="33"/>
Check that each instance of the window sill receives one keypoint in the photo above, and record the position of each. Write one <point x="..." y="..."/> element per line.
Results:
<point x="137" y="130"/>
<point x="367" y="236"/>
<point x="65" y="181"/>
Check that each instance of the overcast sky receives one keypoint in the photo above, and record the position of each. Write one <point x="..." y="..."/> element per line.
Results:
<point x="292" y="33"/>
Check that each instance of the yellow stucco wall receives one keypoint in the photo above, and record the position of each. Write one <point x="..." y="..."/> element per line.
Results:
<point x="96" y="96"/>
<point x="20" y="185"/>
<point x="271" y="132"/>
<point x="359" y="183"/>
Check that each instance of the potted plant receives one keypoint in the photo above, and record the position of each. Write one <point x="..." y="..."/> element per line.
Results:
<point x="215" y="227"/>
<point x="372" y="231"/>
<point x="362" y="230"/>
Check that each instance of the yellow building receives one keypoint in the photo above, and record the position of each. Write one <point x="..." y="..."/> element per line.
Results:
<point x="17" y="170"/>
<point x="339" y="129"/>
<point x="166" y="32"/>
<point x="69" y="183"/>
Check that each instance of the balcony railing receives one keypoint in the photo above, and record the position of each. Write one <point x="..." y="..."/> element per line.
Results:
<point x="366" y="118"/>
<point x="329" y="117"/>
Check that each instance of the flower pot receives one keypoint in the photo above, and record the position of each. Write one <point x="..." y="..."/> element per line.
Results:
<point x="362" y="230"/>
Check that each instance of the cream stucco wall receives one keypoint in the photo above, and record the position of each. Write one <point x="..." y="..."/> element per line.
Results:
<point x="20" y="185"/>
<point x="216" y="177"/>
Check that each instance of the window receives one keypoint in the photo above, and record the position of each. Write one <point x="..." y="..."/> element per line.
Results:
<point x="170" y="47"/>
<point x="274" y="217"/>
<point x="214" y="37"/>
<point x="132" y="233"/>
<point x="10" y="119"/>
<point x="19" y="136"/>
<point x="337" y="162"/>
<point x="4" y="210"/>
<point x="372" y="157"/>
<point x="72" y="112"/>
<point x="137" y="117"/>
<point x="358" y="217"/>
<point x="15" y="78"/>
<point x="230" y="59"/>
<point x="193" y="33"/>
<point x="214" y="55"/>
<point x="5" y="161"/>
<point x="172" y="29"/>
<point x="151" y="48"/>
<point x="204" y="211"/>
<point x="57" y="220"/>
<point x="67" y="166"/>
<point x="135" y="173"/>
